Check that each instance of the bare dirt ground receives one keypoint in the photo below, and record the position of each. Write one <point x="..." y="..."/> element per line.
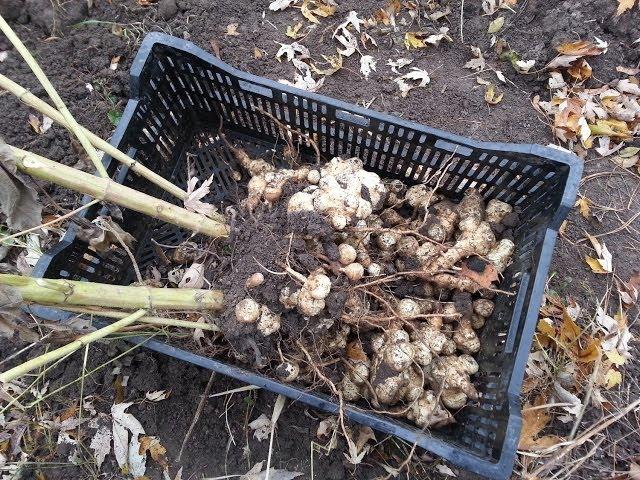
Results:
<point x="76" y="45"/>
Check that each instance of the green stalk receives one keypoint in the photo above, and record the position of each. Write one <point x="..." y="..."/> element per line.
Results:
<point x="162" y="321"/>
<point x="107" y="190"/>
<point x="48" y="291"/>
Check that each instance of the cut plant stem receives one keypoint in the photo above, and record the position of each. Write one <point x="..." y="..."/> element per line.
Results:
<point x="169" y="322"/>
<point x="55" y="98"/>
<point x="69" y="292"/>
<point x="31" y="100"/>
<point x="110" y="191"/>
<point x="48" y="357"/>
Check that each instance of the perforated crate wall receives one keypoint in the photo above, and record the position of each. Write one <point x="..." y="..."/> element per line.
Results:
<point x="179" y="93"/>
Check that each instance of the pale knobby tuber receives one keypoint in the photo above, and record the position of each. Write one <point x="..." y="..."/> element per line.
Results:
<point x="483" y="307"/>
<point x="354" y="383"/>
<point x="254" y="280"/>
<point x="477" y="238"/>
<point x="353" y="271"/>
<point x="288" y="298"/>
<point x="309" y="300"/>
<point x="269" y="322"/>
<point x="500" y="255"/>
<point x="428" y="340"/>
<point x="428" y="412"/>
<point x="451" y="376"/>
<point x="396" y="190"/>
<point x="287" y="371"/>
<point x="394" y="377"/>
<point x="497" y="210"/>
<point x="420" y="196"/>
<point x="347" y="254"/>
<point x="374" y="269"/>
<point x="440" y="226"/>
<point x="408" y="308"/>
<point x="344" y="194"/>
<point x="247" y="311"/>
<point x="465" y="337"/>
<point x="267" y="183"/>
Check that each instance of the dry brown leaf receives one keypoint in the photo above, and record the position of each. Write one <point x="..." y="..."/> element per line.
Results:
<point x="611" y="128"/>
<point x="365" y="434"/>
<point x="584" y="208"/>
<point x="580" y="48"/>
<point x="257" y="53"/>
<point x="194" y="202"/>
<point x="424" y="39"/>
<point x="590" y="353"/>
<point x="321" y="8"/>
<point x="11" y="316"/>
<point x="18" y="199"/>
<point x="34" y="122"/>
<point x="545" y="332"/>
<point x="628" y="70"/>
<point x="280" y="4"/>
<point x="232" y="30"/>
<point x="334" y="62"/>
<point x="627" y="157"/>
<point x="624" y="5"/>
<point x="193" y="277"/>
<point x="533" y="422"/>
<point x="481" y="272"/>
<point x="478" y="63"/>
<point x="416" y="78"/>
<point x="104" y="233"/>
<point x="154" y="447"/>
<point x="604" y="262"/>
<point x="215" y="47"/>
<point x="569" y="330"/>
<point x="355" y="351"/>
<point x="580" y="70"/>
<point x="628" y="291"/>
<point x="615" y="358"/>
<point x="294" y="31"/>
<point x="612" y="378"/>
<point x="491" y="95"/>
<point x="570" y="52"/>
<point x="444" y="470"/>
<point x="496" y="25"/>
<point x="595" y="265"/>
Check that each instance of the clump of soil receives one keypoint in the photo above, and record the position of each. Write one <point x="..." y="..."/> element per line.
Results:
<point x="264" y="242"/>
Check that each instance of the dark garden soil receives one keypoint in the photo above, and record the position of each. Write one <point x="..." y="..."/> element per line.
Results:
<point x="76" y="45"/>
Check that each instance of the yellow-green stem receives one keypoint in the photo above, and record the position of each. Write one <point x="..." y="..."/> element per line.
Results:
<point x="161" y="321"/>
<point x="69" y="292"/>
<point x="48" y="357"/>
<point x="55" y="98"/>
<point x="31" y="100"/>
<point x="107" y="190"/>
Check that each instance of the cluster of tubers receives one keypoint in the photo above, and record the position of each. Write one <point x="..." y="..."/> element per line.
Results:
<point x="398" y="253"/>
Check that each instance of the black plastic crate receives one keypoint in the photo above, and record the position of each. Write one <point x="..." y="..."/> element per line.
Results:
<point x="179" y="93"/>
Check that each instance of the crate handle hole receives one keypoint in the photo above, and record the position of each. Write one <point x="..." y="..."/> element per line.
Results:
<point x="253" y="88"/>
<point x="352" y="118"/>
<point x="453" y="148"/>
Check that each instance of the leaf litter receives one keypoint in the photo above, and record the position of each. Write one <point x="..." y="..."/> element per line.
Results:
<point x="18" y="200"/>
<point x="416" y="78"/>
<point x="126" y="432"/>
